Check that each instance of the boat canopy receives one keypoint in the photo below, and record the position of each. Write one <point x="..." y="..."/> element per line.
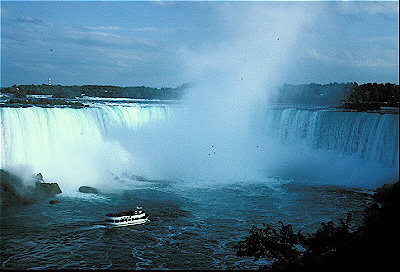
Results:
<point x="126" y="213"/>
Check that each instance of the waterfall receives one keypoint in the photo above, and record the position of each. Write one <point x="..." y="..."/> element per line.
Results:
<point x="84" y="146"/>
<point x="370" y="136"/>
<point x="326" y="146"/>
<point x="71" y="144"/>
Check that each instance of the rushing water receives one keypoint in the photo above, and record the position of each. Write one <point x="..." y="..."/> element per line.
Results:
<point x="301" y="156"/>
<point x="190" y="227"/>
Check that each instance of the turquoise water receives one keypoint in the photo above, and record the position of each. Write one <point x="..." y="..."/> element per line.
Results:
<point x="203" y="181"/>
<point x="190" y="227"/>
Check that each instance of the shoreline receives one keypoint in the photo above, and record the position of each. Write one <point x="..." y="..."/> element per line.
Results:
<point x="78" y="103"/>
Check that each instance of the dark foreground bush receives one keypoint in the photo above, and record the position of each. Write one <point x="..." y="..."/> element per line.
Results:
<point x="373" y="246"/>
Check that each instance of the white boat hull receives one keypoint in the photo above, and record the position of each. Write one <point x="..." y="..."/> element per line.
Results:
<point x="129" y="223"/>
<point x="127" y="218"/>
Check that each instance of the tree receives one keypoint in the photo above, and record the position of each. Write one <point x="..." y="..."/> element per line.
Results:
<point x="372" y="246"/>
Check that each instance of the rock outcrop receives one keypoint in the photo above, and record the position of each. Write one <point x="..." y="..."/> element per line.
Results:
<point x="88" y="190"/>
<point x="48" y="188"/>
<point x="13" y="191"/>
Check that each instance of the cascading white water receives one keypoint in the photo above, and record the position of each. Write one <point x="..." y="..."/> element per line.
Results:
<point x="83" y="146"/>
<point x="325" y="146"/>
<point x="371" y="136"/>
<point x="69" y="145"/>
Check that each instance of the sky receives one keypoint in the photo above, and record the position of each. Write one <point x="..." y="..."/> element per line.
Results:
<point x="165" y="43"/>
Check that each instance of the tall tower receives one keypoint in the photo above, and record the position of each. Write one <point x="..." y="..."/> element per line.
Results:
<point x="49" y="81"/>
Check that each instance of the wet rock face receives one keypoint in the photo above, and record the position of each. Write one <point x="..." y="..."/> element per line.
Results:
<point x="39" y="177"/>
<point x="14" y="191"/>
<point x="388" y="194"/>
<point x="48" y="188"/>
<point x="88" y="190"/>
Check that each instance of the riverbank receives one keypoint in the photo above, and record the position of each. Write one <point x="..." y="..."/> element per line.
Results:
<point x="381" y="110"/>
<point x="373" y="246"/>
<point x="15" y="191"/>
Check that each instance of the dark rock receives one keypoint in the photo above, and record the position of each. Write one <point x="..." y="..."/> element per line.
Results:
<point x="48" y="188"/>
<point x="88" y="190"/>
<point x="13" y="191"/>
<point x="54" y="201"/>
<point x="39" y="177"/>
<point x="387" y="194"/>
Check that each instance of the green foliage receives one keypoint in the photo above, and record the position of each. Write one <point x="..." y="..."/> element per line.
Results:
<point x="329" y="237"/>
<point x="291" y="251"/>
<point x="42" y="102"/>
<point x="372" y="246"/>
<point x="372" y="96"/>
<point x="271" y="243"/>
<point x="58" y="91"/>
<point x="374" y="92"/>
<point x="369" y="96"/>
<point x="313" y="94"/>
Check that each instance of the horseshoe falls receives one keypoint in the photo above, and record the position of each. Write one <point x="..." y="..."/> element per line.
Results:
<point x="71" y="146"/>
<point x="96" y="144"/>
<point x="373" y="137"/>
<point x="203" y="181"/>
<point x="357" y="149"/>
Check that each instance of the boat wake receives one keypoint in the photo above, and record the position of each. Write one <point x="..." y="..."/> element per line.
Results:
<point x="95" y="227"/>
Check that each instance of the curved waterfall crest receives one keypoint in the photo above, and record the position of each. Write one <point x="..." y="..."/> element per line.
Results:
<point x="84" y="144"/>
<point x="371" y="136"/>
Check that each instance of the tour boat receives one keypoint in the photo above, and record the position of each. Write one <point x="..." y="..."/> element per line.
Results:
<point x="127" y="218"/>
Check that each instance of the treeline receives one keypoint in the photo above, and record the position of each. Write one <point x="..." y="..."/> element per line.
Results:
<point x="371" y="246"/>
<point x="313" y="94"/>
<point x="350" y="95"/>
<point x="334" y="94"/>
<point x="382" y="94"/>
<point x="58" y="91"/>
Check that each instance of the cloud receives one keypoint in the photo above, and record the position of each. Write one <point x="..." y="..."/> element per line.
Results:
<point x="148" y="29"/>
<point x="106" y="35"/>
<point x="102" y="38"/>
<point x="104" y="28"/>
<point x="4" y="12"/>
<point x="45" y="67"/>
<point x="317" y="55"/>
<point x="93" y="36"/>
<point x="162" y="3"/>
<point x="29" y="20"/>
<point x="120" y="58"/>
<point x="155" y="29"/>
<point x="376" y="7"/>
<point x="374" y="58"/>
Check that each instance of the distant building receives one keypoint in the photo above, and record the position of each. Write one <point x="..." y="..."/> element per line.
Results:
<point x="81" y="96"/>
<point x="49" y="81"/>
<point x="5" y="96"/>
<point x="39" y="96"/>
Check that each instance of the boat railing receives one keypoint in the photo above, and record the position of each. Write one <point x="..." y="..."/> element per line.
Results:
<point x="127" y="213"/>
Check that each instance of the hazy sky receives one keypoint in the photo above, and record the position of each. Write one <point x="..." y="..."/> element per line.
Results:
<point x="160" y="44"/>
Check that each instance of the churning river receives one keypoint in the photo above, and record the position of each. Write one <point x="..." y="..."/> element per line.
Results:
<point x="203" y="183"/>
